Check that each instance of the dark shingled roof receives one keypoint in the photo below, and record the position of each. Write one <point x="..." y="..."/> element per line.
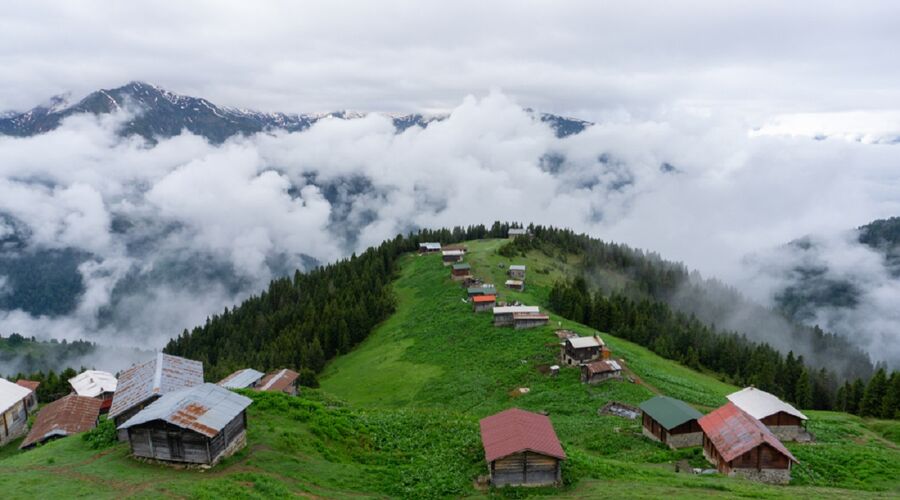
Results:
<point x="669" y="412"/>
<point x="514" y="430"/>
<point x="734" y="432"/>
<point x="69" y="415"/>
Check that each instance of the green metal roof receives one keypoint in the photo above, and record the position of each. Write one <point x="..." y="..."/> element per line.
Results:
<point x="461" y="266"/>
<point x="669" y="412"/>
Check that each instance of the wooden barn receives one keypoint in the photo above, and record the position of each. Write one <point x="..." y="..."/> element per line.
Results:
<point x="503" y="315"/>
<point x="429" y="247"/>
<point x="740" y="445"/>
<point x="517" y="285"/>
<point x="460" y="271"/>
<point x="280" y="381"/>
<point x="95" y="384"/>
<point x="65" y="416"/>
<point x="142" y="384"/>
<point x="785" y="421"/>
<point x="248" y="378"/>
<point x="599" y="371"/>
<point x="580" y="350"/>
<point x="525" y="320"/>
<point x="481" y="303"/>
<point x="452" y="256"/>
<point x="198" y="425"/>
<point x="14" y="410"/>
<point x="516" y="272"/>
<point x="521" y="449"/>
<point x="671" y="422"/>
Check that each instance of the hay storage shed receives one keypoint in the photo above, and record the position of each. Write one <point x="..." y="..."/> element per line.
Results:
<point x="65" y="416"/>
<point x="521" y="448"/>
<point x="199" y="425"/>
<point x="785" y="421"/>
<point x="672" y="422"/>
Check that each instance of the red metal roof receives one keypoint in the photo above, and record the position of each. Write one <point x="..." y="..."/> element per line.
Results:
<point x="484" y="298"/>
<point x="28" y="384"/>
<point x="514" y="430"/>
<point x="280" y="380"/>
<point x="734" y="432"/>
<point x="69" y="415"/>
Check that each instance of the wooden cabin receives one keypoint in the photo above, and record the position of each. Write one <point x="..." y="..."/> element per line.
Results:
<point x="671" y="422"/>
<point x="452" y="256"/>
<point x="69" y="415"/>
<point x="142" y="384"/>
<point x="95" y="384"/>
<point x="739" y="445"/>
<point x="248" y="378"/>
<point x="516" y="272"/>
<point x="460" y="271"/>
<point x="504" y="315"/>
<point x="521" y="449"/>
<point x="580" y="350"/>
<point x="488" y="289"/>
<point x="198" y="425"/>
<point x="13" y="410"/>
<point x="515" y="232"/>
<point x="517" y="285"/>
<point x="280" y="381"/>
<point x="600" y="371"/>
<point x="785" y="421"/>
<point x="481" y="303"/>
<point x="429" y="247"/>
<point x="31" y="402"/>
<point x="525" y="320"/>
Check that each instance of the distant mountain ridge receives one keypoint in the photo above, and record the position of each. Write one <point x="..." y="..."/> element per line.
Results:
<point x="165" y="114"/>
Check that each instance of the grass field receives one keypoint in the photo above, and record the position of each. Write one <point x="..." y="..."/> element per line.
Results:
<point x="398" y="417"/>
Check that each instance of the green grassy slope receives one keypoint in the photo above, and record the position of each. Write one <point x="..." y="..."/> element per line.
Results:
<point x="398" y="416"/>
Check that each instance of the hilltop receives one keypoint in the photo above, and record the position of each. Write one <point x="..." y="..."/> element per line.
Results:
<point x="397" y="415"/>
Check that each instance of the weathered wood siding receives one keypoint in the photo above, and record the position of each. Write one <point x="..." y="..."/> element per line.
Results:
<point x="13" y="423"/>
<point x="573" y="356"/>
<point x="526" y="468"/>
<point x="162" y="441"/>
<point x="124" y="416"/>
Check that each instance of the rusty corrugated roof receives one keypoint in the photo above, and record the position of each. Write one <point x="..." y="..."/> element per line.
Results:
<point x="28" y="384"/>
<point x="160" y="375"/>
<point x="205" y="408"/>
<point x="603" y="366"/>
<point x="734" y="432"/>
<point x="514" y="430"/>
<point x="276" y="381"/>
<point x="69" y="415"/>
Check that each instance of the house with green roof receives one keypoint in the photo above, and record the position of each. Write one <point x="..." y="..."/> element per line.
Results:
<point x="672" y="422"/>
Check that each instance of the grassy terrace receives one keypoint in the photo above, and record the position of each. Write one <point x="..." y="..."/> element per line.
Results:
<point x="398" y="417"/>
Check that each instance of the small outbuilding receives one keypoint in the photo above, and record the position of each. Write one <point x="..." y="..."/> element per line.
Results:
<point x="672" y="422"/>
<point x="504" y="315"/>
<point x="600" y="371"/>
<point x="460" y="271"/>
<point x="142" y="384"/>
<point x="95" y="384"/>
<point x="515" y="232"/>
<point x="517" y="285"/>
<point x="488" y="289"/>
<point x="785" y="421"/>
<point x="452" y="256"/>
<point x="482" y="303"/>
<point x="740" y="445"/>
<point x="429" y="247"/>
<point x="516" y="272"/>
<point x="31" y="402"/>
<point x="14" y="410"/>
<point x="527" y="320"/>
<point x="248" y="378"/>
<point x="521" y="449"/>
<point x="284" y="380"/>
<point x="69" y="415"/>
<point x="198" y="425"/>
<point x="579" y="350"/>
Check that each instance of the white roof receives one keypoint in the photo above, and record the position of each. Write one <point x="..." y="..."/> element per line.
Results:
<point x="431" y="246"/>
<point x="760" y="404"/>
<point x="453" y="253"/>
<point x="516" y="309"/>
<point x="515" y="230"/>
<point x="582" y="342"/>
<point x="514" y="282"/>
<point x="92" y="383"/>
<point x="10" y="394"/>
<point x="516" y="268"/>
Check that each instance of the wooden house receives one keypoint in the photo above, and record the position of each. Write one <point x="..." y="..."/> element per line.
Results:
<point x="460" y="271"/>
<point x="599" y="371"/>
<point x="452" y="256"/>
<point x="517" y="285"/>
<point x="95" y="384"/>
<point x="248" y="378"/>
<point x="521" y="449"/>
<point x="785" y="421"/>
<point x="671" y="422"/>
<point x="516" y="272"/>
<point x="13" y="410"/>
<point x="580" y="350"/>
<point x="198" y="425"/>
<point x="503" y="315"/>
<point x="429" y="247"/>
<point x="481" y="303"/>
<point x="526" y="320"/>
<point x="31" y="402"/>
<point x="280" y="381"/>
<point x="740" y="445"/>
<point x="142" y="384"/>
<point x="65" y="416"/>
<point x="515" y="232"/>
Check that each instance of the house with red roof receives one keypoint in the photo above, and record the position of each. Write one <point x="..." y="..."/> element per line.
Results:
<point x="740" y="445"/>
<point x="481" y="303"/>
<point x="521" y="449"/>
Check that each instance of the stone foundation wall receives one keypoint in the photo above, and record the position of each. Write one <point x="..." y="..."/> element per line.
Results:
<point x="648" y="434"/>
<point x="685" y="440"/>
<point x="771" y="476"/>
<point x="786" y="432"/>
